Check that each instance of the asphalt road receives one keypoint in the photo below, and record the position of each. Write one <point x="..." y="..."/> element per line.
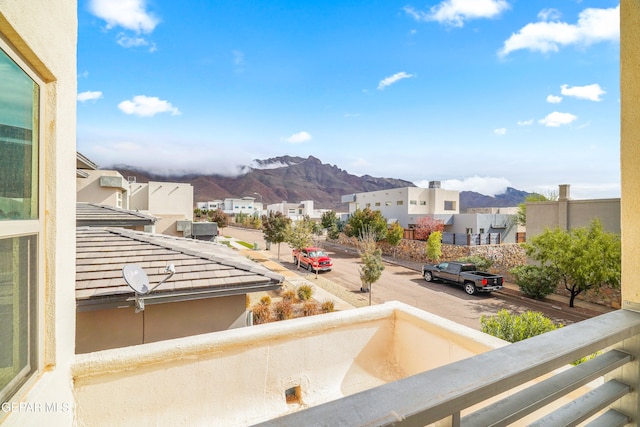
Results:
<point x="399" y="283"/>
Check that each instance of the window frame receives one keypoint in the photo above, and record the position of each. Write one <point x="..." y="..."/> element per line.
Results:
<point x="31" y="227"/>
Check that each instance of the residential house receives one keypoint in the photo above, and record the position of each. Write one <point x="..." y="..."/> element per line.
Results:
<point x="170" y="202"/>
<point x="297" y="211"/>
<point x="234" y="205"/>
<point x="408" y="204"/>
<point x="206" y="294"/>
<point x="566" y="213"/>
<point x="383" y="365"/>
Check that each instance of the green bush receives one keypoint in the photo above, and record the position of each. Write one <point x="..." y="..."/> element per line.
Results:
<point x="304" y="292"/>
<point x="482" y="263"/>
<point x="514" y="327"/>
<point x="535" y="281"/>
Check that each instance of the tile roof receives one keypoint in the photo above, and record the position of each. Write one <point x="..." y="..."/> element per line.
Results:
<point x="94" y="214"/>
<point x="203" y="269"/>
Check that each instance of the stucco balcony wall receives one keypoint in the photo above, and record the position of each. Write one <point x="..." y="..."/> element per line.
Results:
<point x="242" y="376"/>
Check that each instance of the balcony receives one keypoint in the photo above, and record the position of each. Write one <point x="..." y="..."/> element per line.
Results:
<point x="384" y="365"/>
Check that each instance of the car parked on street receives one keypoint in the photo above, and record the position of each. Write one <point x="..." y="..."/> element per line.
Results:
<point x="313" y="259"/>
<point x="463" y="274"/>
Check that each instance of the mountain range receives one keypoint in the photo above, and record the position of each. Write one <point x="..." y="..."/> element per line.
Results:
<point x="293" y="179"/>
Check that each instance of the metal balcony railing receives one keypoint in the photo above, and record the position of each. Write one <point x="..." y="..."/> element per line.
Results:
<point x="447" y="391"/>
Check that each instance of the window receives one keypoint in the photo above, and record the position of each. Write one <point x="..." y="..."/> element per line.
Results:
<point x="399" y="203"/>
<point x="413" y="202"/>
<point x="368" y="205"/>
<point x="387" y="203"/>
<point x="377" y="203"/>
<point x="119" y="199"/>
<point x="20" y="223"/>
<point x="423" y="203"/>
<point x="449" y="205"/>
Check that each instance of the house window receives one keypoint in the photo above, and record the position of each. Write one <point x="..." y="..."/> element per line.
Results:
<point x="413" y="202"/>
<point x="21" y="225"/>
<point x="377" y="203"/>
<point x="368" y="205"/>
<point x="423" y="203"/>
<point x="400" y="203"/>
<point x="387" y="203"/>
<point x="449" y="205"/>
<point x="119" y="199"/>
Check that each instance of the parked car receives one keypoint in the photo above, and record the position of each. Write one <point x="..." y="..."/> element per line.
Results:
<point x="463" y="274"/>
<point x="313" y="259"/>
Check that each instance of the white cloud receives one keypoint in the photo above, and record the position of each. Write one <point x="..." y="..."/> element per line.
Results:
<point x="388" y="81"/>
<point x="89" y="96"/>
<point x="147" y="106"/>
<point x="500" y="131"/>
<point x="525" y="122"/>
<point x="126" y="41"/>
<point x="589" y="92"/>
<point x="298" y="138"/>
<point x="480" y="184"/>
<point x="557" y="119"/>
<point x="238" y="57"/>
<point x="549" y="14"/>
<point x="128" y="14"/>
<point x="553" y="99"/>
<point x="593" y="26"/>
<point x="456" y="12"/>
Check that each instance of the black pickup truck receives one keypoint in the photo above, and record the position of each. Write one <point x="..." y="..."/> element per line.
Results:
<point x="463" y="274"/>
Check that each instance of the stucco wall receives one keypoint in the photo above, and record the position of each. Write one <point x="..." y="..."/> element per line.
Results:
<point x="89" y="189"/>
<point x="630" y="148"/>
<point x="241" y="376"/>
<point x="120" y="327"/>
<point x="579" y="213"/>
<point x="44" y="32"/>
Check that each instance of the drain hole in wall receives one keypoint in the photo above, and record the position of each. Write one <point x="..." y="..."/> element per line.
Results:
<point x="292" y="395"/>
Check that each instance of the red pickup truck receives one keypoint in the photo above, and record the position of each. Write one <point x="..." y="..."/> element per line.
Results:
<point x="313" y="259"/>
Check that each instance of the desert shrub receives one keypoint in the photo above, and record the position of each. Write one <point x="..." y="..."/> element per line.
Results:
<point x="482" y="263"/>
<point x="283" y="310"/>
<point x="288" y="295"/>
<point x="261" y="313"/>
<point x="310" y="308"/>
<point x="265" y="300"/>
<point x="328" y="307"/>
<point x="535" y="281"/>
<point x="304" y="292"/>
<point x="516" y="327"/>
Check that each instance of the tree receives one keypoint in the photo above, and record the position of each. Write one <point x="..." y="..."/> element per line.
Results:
<point x="481" y="263"/>
<point x="584" y="258"/>
<point x="372" y="265"/>
<point x="329" y="219"/>
<point x="433" y="248"/>
<point x="521" y="216"/>
<point x="427" y="225"/>
<point x="367" y="221"/>
<point x="299" y="235"/>
<point x="395" y="233"/>
<point x="274" y="228"/>
<point x="220" y="218"/>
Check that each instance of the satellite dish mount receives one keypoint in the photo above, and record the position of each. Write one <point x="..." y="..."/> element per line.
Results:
<point x="138" y="280"/>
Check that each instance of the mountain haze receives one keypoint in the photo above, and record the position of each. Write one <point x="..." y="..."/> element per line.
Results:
<point x="293" y="179"/>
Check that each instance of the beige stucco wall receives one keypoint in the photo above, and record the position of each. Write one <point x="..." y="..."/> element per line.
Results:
<point x="89" y="189"/>
<point x="240" y="377"/>
<point x="630" y="148"/>
<point x="170" y="202"/>
<point x="578" y="213"/>
<point x="120" y="327"/>
<point x="44" y="33"/>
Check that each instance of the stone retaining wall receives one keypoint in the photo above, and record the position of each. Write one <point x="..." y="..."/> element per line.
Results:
<point x="504" y="256"/>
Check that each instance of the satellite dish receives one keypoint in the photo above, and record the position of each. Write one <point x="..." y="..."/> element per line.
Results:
<point x="136" y="278"/>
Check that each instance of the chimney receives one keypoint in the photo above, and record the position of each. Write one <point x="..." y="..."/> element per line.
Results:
<point x="564" y="192"/>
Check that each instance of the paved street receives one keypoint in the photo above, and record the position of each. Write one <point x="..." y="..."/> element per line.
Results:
<point x="400" y="283"/>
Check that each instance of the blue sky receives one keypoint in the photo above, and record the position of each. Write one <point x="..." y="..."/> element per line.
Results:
<point x="479" y="94"/>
